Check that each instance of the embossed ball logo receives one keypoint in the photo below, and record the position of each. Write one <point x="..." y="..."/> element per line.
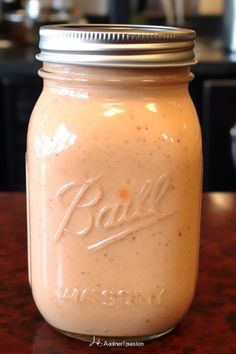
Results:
<point x="118" y="219"/>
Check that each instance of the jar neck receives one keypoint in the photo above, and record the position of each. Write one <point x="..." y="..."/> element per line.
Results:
<point x="115" y="77"/>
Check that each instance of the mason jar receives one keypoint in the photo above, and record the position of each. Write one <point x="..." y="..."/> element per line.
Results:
<point x="114" y="173"/>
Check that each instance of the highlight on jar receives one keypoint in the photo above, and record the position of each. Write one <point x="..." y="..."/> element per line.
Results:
<point x="114" y="181"/>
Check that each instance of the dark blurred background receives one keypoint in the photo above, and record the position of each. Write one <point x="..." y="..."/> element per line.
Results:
<point x="213" y="90"/>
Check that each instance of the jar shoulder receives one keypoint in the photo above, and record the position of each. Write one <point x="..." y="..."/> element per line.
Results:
<point x="77" y="107"/>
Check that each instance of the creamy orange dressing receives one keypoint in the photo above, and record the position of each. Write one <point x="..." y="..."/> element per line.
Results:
<point x="114" y="163"/>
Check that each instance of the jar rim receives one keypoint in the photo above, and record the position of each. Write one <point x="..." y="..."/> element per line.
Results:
<point x="117" y="45"/>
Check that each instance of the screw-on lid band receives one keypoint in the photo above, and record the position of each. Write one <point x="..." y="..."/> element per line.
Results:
<point x="117" y="45"/>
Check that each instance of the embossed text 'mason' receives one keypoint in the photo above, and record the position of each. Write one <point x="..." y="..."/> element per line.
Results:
<point x="110" y="298"/>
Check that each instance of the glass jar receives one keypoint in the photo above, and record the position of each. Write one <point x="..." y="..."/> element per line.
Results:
<point x="114" y="181"/>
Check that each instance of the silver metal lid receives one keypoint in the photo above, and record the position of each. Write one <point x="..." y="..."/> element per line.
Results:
<point x="117" y="45"/>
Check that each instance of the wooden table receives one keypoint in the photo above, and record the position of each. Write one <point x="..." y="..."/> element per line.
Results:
<point x="208" y="328"/>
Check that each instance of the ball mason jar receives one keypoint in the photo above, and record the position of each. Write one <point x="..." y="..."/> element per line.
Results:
<point x="114" y="174"/>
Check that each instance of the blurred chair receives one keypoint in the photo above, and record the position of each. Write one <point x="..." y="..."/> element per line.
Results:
<point x="19" y="94"/>
<point x="218" y="118"/>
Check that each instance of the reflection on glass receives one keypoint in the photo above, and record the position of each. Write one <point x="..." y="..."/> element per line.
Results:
<point x="112" y="109"/>
<point x="151" y="107"/>
<point x="62" y="139"/>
